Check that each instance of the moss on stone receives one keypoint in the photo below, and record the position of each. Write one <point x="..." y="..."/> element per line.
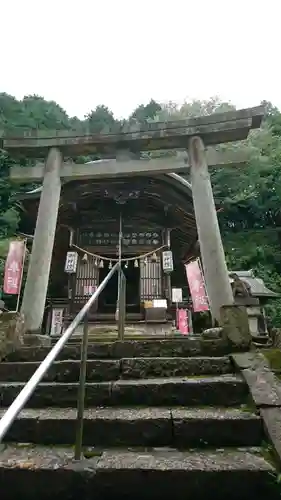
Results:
<point x="92" y="452"/>
<point x="274" y="358"/>
<point x="269" y="454"/>
<point x="249" y="407"/>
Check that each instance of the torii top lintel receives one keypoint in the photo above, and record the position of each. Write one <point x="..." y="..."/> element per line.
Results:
<point x="214" y="129"/>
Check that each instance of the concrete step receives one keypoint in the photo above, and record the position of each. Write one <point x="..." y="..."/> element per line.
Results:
<point x="177" y="427"/>
<point x="110" y="369"/>
<point x="223" y="390"/>
<point x="50" y="472"/>
<point x="131" y="349"/>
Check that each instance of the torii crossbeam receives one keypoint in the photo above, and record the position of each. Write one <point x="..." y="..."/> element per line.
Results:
<point x="130" y="167"/>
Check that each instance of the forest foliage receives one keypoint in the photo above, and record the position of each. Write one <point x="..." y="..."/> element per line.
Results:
<point x="250" y="200"/>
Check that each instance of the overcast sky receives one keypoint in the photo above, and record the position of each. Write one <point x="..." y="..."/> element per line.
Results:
<point x="123" y="52"/>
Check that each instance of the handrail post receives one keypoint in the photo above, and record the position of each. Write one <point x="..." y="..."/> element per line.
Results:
<point x="122" y="307"/>
<point x="81" y="390"/>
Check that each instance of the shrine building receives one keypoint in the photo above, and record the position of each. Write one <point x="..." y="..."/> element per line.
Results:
<point x="146" y="215"/>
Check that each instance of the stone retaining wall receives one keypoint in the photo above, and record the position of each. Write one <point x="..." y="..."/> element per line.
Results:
<point x="11" y="333"/>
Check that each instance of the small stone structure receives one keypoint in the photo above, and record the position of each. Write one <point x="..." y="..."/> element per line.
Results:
<point x="250" y="291"/>
<point x="11" y="333"/>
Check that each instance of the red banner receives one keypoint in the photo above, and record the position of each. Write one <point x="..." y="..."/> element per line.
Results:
<point x="197" y="287"/>
<point x="182" y="321"/>
<point x="14" y="267"/>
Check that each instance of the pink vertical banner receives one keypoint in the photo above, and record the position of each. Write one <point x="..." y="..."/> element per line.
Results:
<point x="182" y="321"/>
<point x="197" y="286"/>
<point x="14" y="267"/>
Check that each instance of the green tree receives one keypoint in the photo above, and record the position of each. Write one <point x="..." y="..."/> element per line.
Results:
<point x="10" y="111"/>
<point x="101" y="119"/>
<point x="146" y="112"/>
<point x="43" y="114"/>
<point x="172" y="111"/>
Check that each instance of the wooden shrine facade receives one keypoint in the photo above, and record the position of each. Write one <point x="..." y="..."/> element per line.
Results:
<point x="154" y="214"/>
<point x="145" y="280"/>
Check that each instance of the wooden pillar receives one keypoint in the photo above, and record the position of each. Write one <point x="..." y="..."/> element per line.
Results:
<point x="211" y="248"/>
<point x="36" y="286"/>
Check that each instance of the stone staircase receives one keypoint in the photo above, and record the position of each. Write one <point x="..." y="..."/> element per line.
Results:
<point x="163" y="418"/>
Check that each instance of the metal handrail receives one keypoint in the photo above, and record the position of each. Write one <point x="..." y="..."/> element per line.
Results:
<point x="12" y="412"/>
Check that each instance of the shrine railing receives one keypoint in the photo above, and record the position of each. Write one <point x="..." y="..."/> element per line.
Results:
<point x="18" y="404"/>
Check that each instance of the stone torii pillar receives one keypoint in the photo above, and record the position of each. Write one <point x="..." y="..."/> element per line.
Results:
<point x="211" y="248"/>
<point x="35" y="291"/>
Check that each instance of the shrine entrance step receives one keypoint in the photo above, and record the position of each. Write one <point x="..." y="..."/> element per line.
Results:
<point x="133" y="331"/>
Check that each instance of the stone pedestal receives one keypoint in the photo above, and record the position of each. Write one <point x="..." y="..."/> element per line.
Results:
<point x="236" y="326"/>
<point x="257" y="323"/>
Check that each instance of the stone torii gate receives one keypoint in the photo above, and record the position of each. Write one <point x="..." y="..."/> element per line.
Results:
<point x="194" y="135"/>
